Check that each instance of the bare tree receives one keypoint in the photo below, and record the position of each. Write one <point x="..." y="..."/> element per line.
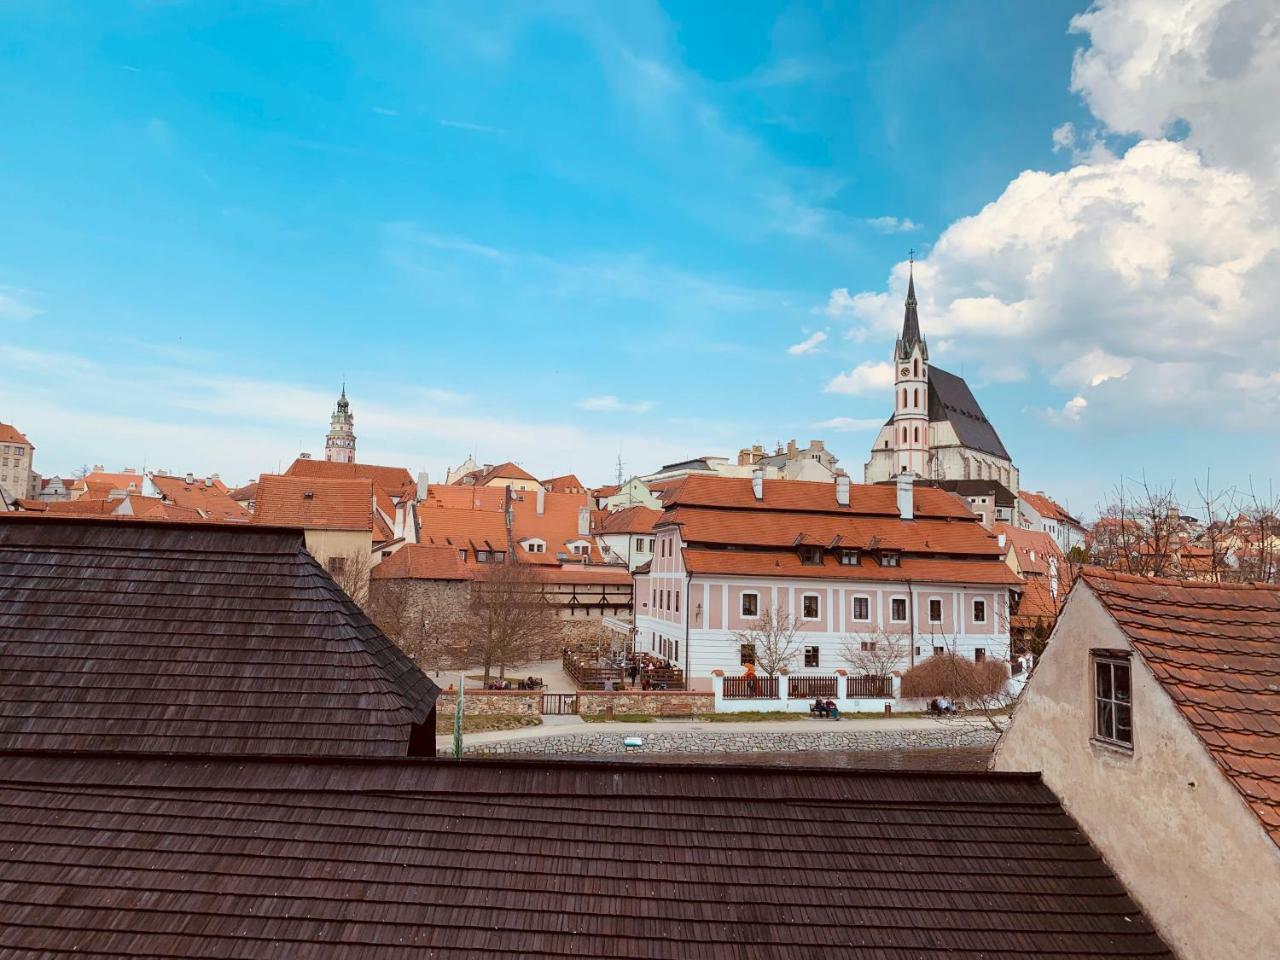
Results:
<point x="773" y="639"/>
<point x="875" y="654"/>
<point x="351" y="572"/>
<point x="1140" y="529"/>
<point x="1257" y="535"/>
<point x="509" y="619"/>
<point x="978" y="689"/>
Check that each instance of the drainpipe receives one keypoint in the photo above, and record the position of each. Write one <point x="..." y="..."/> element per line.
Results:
<point x="911" y="620"/>
<point x="688" y="592"/>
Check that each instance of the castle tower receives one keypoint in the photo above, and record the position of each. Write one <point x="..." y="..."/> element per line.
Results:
<point x="910" y="440"/>
<point x="340" y="444"/>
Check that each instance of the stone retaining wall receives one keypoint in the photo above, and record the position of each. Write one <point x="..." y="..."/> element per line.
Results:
<point x="487" y="703"/>
<point x="646" y="703"/>
<point x="710" y="740"/>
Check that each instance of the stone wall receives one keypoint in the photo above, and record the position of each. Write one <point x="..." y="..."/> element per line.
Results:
<point x="711" y="740"/>
<point x="487" y="703"/>
<point x="646" y="703"/>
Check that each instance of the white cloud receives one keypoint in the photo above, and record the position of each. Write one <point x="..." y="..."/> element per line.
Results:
<point x="385" y="111"/>
<point x="1091" y="369"/>
<point x="811" y="344"/>
<point x="893" y="224"/>
<point x="866" y="378"/>
<point x="1087" y="147"/>
<point x="850" y="424"/>
<point x="608" y="403"/>
<point x="472" y="127"/>
<point x="14" y="305"/>
<point x="1070" y="413"/>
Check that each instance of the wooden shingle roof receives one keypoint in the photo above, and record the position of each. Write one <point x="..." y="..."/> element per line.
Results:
<point x="192" y="638"/>
<point x="393" y="860"/>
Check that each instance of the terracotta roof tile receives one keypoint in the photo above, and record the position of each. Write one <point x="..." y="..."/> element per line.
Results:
<point x="209" y="500"/>
<point x="628" y="520"/>
<point x="394" y="480"/>
<point x="1215" y="649"/>
<point x="802" y="495"/>
<point x="424" y="561"/>
<point x="315" y="504"/>
<point x="1047" y="507"/>
<point x="566" y="484"/>
<point x="11" y="434"/>
<point x="787" y="563"/>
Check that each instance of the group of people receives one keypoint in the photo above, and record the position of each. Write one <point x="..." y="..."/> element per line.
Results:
<point x="528" y="683"/>
<point x="651" y="673"/>
<point x="824" y="709"/>
<point x="942" y="705"/>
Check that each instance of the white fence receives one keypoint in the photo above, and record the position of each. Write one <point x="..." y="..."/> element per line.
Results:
<point x="784" y="703"/>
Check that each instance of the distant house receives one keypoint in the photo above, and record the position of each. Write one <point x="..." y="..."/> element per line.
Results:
<point x="393" y="859"/>
<point x="1154" y="714"/>
<point x="991" y="500"/>
<point x="1039" y="512"/>
<point x="193" y="638"/>
<point x="845" y="560"/>
<point x="791" y="462"/>
<point x="17" y="455"/>
<point x="1046" y="574"/>
<point x="565" y="484"/>
<point x="503" y="475"/>
<point x="634" y="493"/>
<point x="207" y="496"/>
<point x="626" y="536"/>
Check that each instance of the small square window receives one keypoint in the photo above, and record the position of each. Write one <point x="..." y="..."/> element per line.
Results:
<point x="482" y="556"/>
<point x="890" y="559"/>
<point x="750" y="605"/>
<point x="869" y="646"/>
<point x="337" y="564"/>
<point x="861" y="608"/>
<point x="811" y="555"/>
<point x="979" y="611"/>
<point x="850" y="558"/>
<point x="938" y="651"/>
<point x="935" y="611"/>
<point x="809" y="606"/>
<point x="898" y="609"/>
<point x="979" y="654"/>
<point x="811" y="656"/>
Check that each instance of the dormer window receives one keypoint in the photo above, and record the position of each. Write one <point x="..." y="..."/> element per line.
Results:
<point x="850" y="558"/>
<point x="890" y="558"/>
<point x="534" y="546"/>
<point x="482" y="556"/>
<point x="811" y="555"/>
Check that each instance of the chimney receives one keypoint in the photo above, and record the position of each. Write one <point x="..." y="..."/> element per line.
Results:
<point x="584" y="521"/>
<point x="191" y="477"/>
<point x="842" y="489"/>
<point x="817" y="445"/>
<point x="423" y="486"/>
<point x="208" y="481"/>
<point x="906" y="495"/>
<point x="541" y="497"/>
<point x="791" y="449"/>
<point x="757" y="483"/>
<point x="744" y="457"/>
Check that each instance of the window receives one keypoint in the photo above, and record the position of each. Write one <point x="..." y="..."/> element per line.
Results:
<point x="898" y="609"/>
<point x="462" y="555"/>
<point x="811" y="555"/>
<point x="579" y="549"/>
<point x="850" y="558"/>
<point x="639" y="544"/>
<point x="889" y="559"/>
<point x="861" y="608"/>
<point x="482" y="556"/>
<point x="677" y="601"/>
<point x="809" y="606"/>
<point x="915" y="402"/>
<point x="869" y="646"/>
<point x="1113" y="701"/>
<point x="747" y="653"/>
<point x="937" y="651"/>
<point x="751" y="605"/>
<point x="810" y="656"/>
<point x="336" y="564"/>
<point x="499" y="556"/>
<point x="916" y="435"/>
<point x="979" y="611"/>
<point x="935" y="611"/>
<point x="979" y="655"/>
<point x="535" y="546"/>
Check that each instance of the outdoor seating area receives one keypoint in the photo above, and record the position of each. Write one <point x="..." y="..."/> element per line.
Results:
<point x="615" y="671"/>
<point x="528" y="683"/>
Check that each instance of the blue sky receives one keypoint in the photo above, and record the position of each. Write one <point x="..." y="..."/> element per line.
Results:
<point x="561" y="233"/>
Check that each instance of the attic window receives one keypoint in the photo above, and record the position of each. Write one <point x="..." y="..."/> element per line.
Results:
<point x="1112" y="701"/>
<point x="890" y="558"/>
<point x="850" y="558"/>
<point x="535" y="546"/>
<point x="309" y="495"/>
<point x="482" y="556"/>
<point x="811" y="555"/>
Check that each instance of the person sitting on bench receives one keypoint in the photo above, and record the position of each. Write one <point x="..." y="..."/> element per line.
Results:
<point x="818" y="709"/>
<point x="833" y="711"/>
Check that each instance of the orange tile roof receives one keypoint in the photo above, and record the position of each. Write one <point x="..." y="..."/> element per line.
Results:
<point x="628" y="520"/>
<point x="504" y="471"/>
<point x="787" y="563"/>
<point x="1033" y="548"/>
<point x="1215" y="649"/>
<point x="315" y="504"/>
<point x="557" y="526"/>
<point x="583" y="573"/>
<point x="566" y="484"/>
<point x="394" y="480"/>
<point x="473" y="529"/>
<point x="1047" y="507"/>
<point x="1038" y="604"/>
<point x="606" y="491"/>
<point x="787" y="529"/>
<point x="466" y="497"/>
<point x="424" y="561"/>
<point x="206" y="499"/>
<point x="810" y="496"/>
<point x="133" y="506"/>
<point x="11" y="434"/>
<point x="248" y="492"/>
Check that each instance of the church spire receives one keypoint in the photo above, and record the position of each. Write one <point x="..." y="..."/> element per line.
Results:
<point x="911" y="319"/>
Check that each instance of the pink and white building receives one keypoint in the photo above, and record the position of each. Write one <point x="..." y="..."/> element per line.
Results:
<point x="854" y="563"/>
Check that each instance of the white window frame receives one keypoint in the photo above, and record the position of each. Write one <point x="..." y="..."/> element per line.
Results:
<point x="941" y="609"/>
<point x="973" y="610"/>
<point x="742" y="611"/>
<point x="906" y="606"/>
<point x="817" y="599"/>
<point x="853" y="608"/>
<point x="534" y="545"/>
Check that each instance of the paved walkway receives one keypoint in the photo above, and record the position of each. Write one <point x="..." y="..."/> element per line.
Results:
<point x="558" y="726"/>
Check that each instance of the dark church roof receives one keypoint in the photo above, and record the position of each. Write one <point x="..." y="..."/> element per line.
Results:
<point x="950" y="399"/>
<point x="911" y="325"/>
<point x="191" y="638"/>
<point x="398" y="859"/>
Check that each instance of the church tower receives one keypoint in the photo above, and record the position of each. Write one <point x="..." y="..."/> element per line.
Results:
<point x="340" y="444"/>
<point x="910" y="441"/>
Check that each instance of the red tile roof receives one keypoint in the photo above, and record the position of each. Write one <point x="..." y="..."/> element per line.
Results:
<point x="1047" y="507"/>
<point x="1033" y="549"/>
<point x="809" y="496"/>
<point x="466" y="497"/>
<point x="130" y="507"/>
<point x="566" y="484"/>
<point x="397" y="859"/>
<point x="1215" y="649"/>
<point x="210" y="500"/>
<point x="315" y="504"/>
<point x="459" y="528"/>
<point x="11" y="434"/>
<point x="394" y="480"/>
<point x="504" y="471"/>
<point x="424" y="561"/>
<point x="787" y="563"/>
<point x="248" y="492"/>
<point x="629" y="520"/>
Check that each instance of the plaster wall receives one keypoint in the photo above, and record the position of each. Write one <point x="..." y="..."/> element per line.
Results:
<point x="1165" y="817"/>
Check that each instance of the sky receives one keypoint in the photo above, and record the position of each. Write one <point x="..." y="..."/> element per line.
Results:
<point x="571" y="233"/>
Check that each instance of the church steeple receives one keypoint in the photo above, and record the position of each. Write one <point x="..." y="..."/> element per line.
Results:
<point x="911" y="321"/>
<point x="340" y="444"/>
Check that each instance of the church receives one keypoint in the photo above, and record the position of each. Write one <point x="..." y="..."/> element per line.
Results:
<point x="938" y="430"/>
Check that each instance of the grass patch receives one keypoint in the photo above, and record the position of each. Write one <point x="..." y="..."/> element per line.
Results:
<point x="754" y="715"/>
<point x="619" y="718"/>
<point x="485" y="724"/>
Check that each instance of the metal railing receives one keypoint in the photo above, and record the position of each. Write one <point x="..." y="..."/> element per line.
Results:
<point x="751" y="688"/>
<point x="802" y="688"/>
<point x="868" y="686"/>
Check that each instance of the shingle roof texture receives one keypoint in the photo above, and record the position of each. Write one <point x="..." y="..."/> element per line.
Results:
<point x="804" y="495"/>
<point x="204" y="638"/>
<point x="390" y="479"/>
<point x="950" y="399"/>
<point x="208" y="857"/>
<point x="11" y="434"/>
<point x="209" y="500"/>
<point x="315" y="504"/>
<point x="1215" y="649"/>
